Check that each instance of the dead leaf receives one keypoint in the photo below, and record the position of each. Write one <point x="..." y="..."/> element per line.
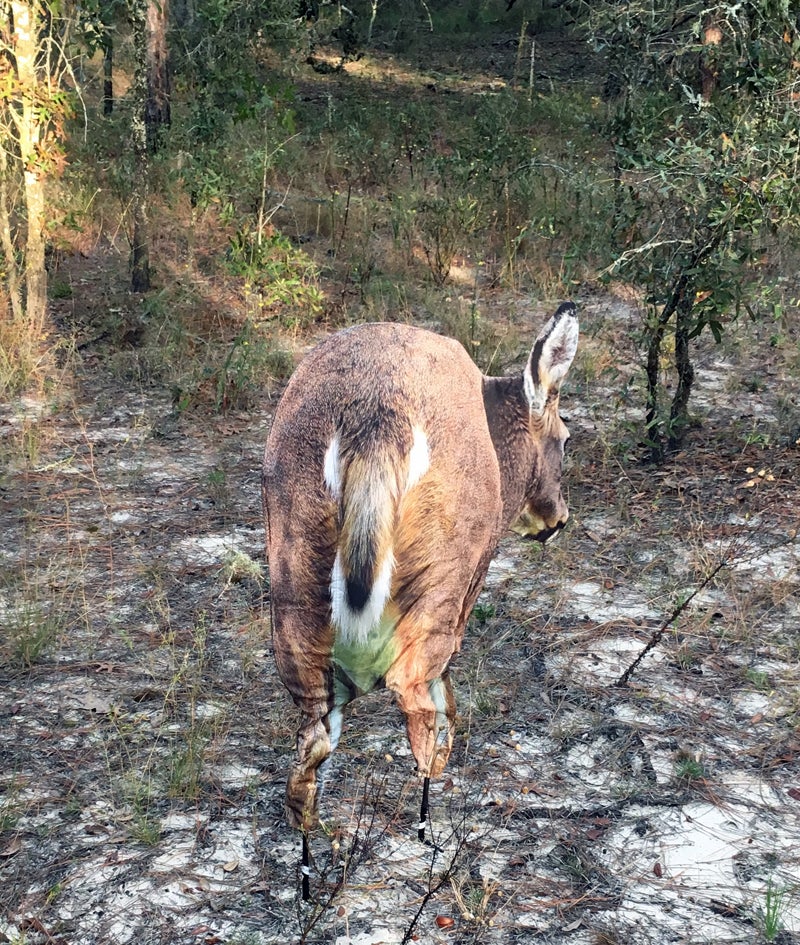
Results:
<point x="724" y="908"/>
<point x="572" y="926"/>
<point x="445" y="921"/>
<point x="33" y="923"/>
<point x="14" y="846"/>
<point x="794" y="793"/>
<point x="230" y="866"/>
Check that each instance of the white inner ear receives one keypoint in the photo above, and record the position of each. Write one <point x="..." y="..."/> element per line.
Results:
<point x="559" y="351"/>
<point x="536" y="395"/>
<point x="559" y="340"/>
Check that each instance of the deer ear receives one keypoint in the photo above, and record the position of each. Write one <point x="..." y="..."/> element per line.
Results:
<point x="551" y="357"/>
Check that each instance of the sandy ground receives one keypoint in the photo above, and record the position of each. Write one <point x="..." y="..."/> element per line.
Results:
<point x="145" y="737"/>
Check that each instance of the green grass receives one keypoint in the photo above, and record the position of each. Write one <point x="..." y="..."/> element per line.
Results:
<point x="689" y="770"/>
<point x="32" y="628"/>
<point x="773" y="911"/>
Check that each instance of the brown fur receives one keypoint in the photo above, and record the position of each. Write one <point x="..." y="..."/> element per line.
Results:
<point x="490" y="460"/>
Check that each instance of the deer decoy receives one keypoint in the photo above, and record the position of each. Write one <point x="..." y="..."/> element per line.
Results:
<point x="392" y="468"/>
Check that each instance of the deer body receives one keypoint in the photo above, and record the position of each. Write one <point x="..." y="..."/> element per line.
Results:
<point x="392" y="468"/>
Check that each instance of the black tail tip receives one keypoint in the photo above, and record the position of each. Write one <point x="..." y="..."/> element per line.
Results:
<point x="358" y="592"/>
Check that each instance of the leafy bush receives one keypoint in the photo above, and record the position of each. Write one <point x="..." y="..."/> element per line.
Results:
<point x="252" y="361"/>
<point x="705" y="166"/>
<point x="280" y="273"/>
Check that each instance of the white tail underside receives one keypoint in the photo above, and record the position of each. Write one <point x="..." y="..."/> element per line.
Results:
<point x="352" y="626"/>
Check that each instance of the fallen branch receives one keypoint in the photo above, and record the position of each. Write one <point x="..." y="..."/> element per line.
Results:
<point x="659" y="633"/>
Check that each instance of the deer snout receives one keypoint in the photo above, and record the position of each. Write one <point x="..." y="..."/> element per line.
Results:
<point x="543" y="523"/>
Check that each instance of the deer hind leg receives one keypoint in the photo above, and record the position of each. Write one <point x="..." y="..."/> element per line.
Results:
<point x="316" y="741"/>
<point x="430" y="709"/>
<point x="302" y="787"/>
<point x="302" y="644"/>
<point x="302" y="793"/>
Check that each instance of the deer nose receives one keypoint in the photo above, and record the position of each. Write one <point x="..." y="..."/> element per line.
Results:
<point x="553" y="516"/>
<point x="541" y="527"/>
<point x="548" y="534"/>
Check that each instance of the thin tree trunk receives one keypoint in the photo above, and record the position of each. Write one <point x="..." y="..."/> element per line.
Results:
<point x="108" y="73"/>
<point x="157" y="115"/>
<point x="656" y="332"/>
<point x="680" y="303"/>
<point x="373" y="14"/>
<point x="7" y="238"/>
<point x="652" y="425"/>
<point x="679" y="412"/>
<point x="140" y="250"/>
<point x="709" y="70"/>
<point x="26" y="27"/>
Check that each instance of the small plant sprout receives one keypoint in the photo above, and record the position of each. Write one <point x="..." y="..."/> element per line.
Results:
<point x="483" y="611"/>
<point x="773" y="911"/>
<point x="758" y="679"/>
<point x="689" y="768"/>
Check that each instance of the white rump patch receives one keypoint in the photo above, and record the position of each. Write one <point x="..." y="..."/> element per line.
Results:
<point x="331" y="468"/>
<point x="419" y="459"/>
<point x="355" y="627"/>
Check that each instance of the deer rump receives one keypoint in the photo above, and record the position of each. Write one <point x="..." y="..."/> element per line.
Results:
<point x="385" y="493"/>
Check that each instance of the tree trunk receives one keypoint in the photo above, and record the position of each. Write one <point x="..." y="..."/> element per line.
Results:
<point x="7" y="237"/>
<point x="108" y="73"/>
<point x="183" y="13"/>
<point x="157" y="115"/>
<point x="652" y="426"/>
<point x="679" y="413"/>
<point x="709" y="69"/>
<point x="140" y="249"/>
<point x="27" y="22"/>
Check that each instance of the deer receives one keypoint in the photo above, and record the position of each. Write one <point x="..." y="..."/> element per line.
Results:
<point x="391" y="470"/>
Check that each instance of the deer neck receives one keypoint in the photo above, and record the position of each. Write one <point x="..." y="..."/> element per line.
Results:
<point x="508" y="416"/>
